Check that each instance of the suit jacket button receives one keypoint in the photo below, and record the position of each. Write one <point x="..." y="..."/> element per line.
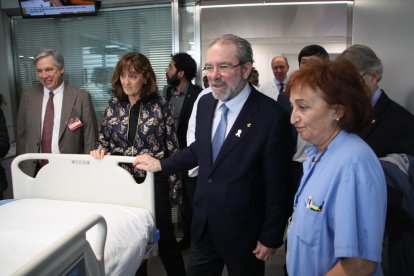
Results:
<point x="210" y="180"/>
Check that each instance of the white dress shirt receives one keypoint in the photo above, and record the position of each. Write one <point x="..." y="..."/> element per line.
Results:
<point x="192" y="125"/>
<point x="270" y="89"/>
<point x="192" y="120"/>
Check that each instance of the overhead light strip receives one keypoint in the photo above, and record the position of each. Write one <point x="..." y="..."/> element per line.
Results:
<point x="278" y="4"/>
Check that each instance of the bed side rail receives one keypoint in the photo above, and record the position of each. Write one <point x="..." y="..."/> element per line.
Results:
<point x="72" y="254"/>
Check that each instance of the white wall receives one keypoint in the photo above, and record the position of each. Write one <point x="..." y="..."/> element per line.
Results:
<point x="388" y="28"/>
<point x="275" y="30"/>
<point x="264" y="53"/>
<point x="385" y="25"/>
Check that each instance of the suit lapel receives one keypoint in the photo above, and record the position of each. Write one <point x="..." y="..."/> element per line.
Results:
<point x="36" y="110"/>
<point x="377" y="112"/>
<point x="244" y="123"/>
<point x="204" y="122"/>
<point x="67" y="105"/>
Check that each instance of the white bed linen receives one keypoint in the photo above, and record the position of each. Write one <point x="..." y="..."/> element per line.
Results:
<point x="27" y="226"/>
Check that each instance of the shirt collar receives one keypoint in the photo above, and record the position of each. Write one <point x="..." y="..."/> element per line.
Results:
<point x="313" y="149"/>
<point x="181" y="93"/>
<point x="185" y="89"/>
<point x="58" y="90"/>
<point x="278" y="82"/>
<point x="375" y="97"/>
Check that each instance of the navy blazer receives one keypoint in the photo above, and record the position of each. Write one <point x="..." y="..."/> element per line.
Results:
<point x="242" y="197"/>
<point x="185" y="113"/>
<point x="391" y="129"/>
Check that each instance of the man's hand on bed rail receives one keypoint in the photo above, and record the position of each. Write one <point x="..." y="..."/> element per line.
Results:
<point x="147" y="163"/>
<point x="99" y="154"/>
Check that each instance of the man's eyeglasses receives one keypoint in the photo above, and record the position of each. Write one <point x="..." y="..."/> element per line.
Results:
<point x="221" y="68"/>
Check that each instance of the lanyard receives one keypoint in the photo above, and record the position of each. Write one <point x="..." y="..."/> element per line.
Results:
<point x="315" y="159"/>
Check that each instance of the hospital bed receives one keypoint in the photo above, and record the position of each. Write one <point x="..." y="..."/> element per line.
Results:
<point x="78" y="216"/>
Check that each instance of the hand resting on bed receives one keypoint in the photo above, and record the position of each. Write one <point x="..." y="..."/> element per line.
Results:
<point x="99" y="154"/>
<point x="147" y="163"/>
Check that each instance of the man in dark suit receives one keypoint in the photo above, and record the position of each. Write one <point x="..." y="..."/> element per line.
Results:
<point x="390" y="130"/>
<point x="240" y="209"/>
<point x="74" y="127"/>
<point x="181" y="94"/>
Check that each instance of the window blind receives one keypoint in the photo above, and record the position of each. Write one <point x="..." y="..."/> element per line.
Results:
<point x="92" y="45"/>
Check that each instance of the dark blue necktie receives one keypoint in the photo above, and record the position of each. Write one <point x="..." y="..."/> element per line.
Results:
<point x="220" y="133"/>
<point x="281" y="87"/>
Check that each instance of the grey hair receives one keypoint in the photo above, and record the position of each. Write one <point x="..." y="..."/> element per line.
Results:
<point x="244" y="48"/>
<point x="58" y="59"/>
<point x="363" y="58"/>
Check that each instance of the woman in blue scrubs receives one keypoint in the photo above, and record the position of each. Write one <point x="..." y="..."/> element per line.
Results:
<point x="340" y="207"/>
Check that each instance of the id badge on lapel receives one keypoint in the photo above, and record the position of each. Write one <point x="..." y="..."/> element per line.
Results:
<point x="74" y="123"/>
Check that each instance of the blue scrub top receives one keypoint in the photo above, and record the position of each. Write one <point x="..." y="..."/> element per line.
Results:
<point x="339" y="208"/>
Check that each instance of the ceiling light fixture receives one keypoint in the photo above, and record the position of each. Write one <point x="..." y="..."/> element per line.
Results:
<point x="278" y="4"/>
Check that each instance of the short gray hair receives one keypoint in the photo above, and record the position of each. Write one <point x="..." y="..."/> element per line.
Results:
<point x="244" y="49"/>
<point x="363" y="58"/>
<point x="58" y="59"/>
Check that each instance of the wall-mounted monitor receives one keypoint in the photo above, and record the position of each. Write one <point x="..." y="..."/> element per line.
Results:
<point x="57" y="8"/>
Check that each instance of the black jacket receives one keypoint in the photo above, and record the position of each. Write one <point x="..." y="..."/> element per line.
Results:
<point x="185" y="113"/>
<point x="391" y="129"/>
<point x="4" y="149"/>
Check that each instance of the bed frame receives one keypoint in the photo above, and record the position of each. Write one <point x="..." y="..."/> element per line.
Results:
<point x="110" y="185"/>
<point x="106" y="182"/>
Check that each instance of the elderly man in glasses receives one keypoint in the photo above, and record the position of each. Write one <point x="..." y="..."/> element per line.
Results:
<point x="242" y="147"/>
<point x="391" y="129"/>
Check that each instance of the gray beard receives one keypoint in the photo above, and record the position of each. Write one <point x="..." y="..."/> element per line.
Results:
<point x="229" y="93"/>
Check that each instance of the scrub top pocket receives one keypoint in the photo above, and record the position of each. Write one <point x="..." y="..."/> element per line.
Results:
<point x="308" y="225"/>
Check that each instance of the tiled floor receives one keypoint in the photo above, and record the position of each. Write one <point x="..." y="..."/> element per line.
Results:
<point x="274" y="267"/>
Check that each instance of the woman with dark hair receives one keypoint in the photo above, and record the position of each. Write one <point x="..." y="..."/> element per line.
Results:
<point x="138" y="120"/>
<point x="4" y="148"/>
<point x="340" y="207"/>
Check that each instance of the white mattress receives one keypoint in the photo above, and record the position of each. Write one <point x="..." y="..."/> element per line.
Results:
<point x="27" y="226"/>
